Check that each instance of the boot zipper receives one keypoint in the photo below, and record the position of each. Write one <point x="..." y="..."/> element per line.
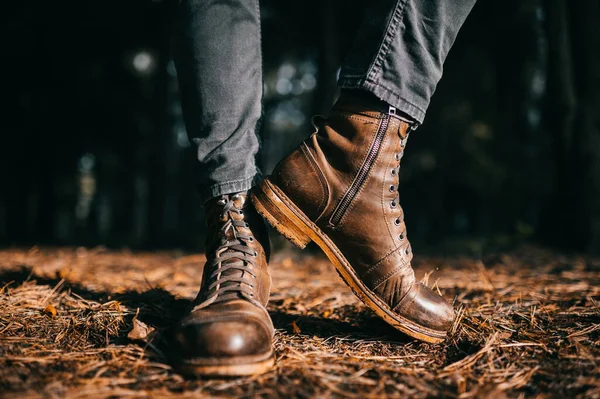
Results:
<point x="363" y="172"/>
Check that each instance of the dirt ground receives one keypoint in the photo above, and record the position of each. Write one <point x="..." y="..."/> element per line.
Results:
<point x="89" y="323"/>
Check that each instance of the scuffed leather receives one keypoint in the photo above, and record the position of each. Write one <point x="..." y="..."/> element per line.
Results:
<point x="226" y="330"/>
<point x="426" y="306"/>
<point x="313" y="191"/>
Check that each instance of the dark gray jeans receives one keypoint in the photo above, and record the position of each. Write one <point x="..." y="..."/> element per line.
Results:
<point x="398" y="57"/>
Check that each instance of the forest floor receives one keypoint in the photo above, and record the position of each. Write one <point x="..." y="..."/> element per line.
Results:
<point x="89" y="323"/>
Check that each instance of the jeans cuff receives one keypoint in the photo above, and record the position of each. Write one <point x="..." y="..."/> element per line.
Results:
<point x="383" y="93"/>
<point x="228" y="187"/>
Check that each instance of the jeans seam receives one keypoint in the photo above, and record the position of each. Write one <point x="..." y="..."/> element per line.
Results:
<point x="384" y="47"/>
<point x="221" y="188"/>
<point x="370" y="85"/>
<point x="393" y="92"/>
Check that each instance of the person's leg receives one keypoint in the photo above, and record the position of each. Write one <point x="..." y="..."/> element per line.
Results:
<point x="340" y="187"/>
<point x="400" y="51"/>
<point x="219" y="65"/>
<point x="218" y="58"/>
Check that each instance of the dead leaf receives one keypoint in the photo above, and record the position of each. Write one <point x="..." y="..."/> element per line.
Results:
<point x="140" y="330"/>
<point x="50" y="310"/>
<point x="295" y="327"/>
<point x="461" y="383"/>
<point x="114" y="305"/>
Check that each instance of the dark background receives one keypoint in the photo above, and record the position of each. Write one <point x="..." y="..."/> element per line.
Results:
<point x="94" y="149"/>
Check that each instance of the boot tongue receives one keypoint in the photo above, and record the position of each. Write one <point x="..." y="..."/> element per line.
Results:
<point x="217" y="216"/>
<point x="239" y="200"/>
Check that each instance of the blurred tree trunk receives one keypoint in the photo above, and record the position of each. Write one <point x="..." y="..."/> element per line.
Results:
<point x="160" y="187"/>
<point x="584" y="20"/>
<point x="521" y="94"/>
<point x="572" y="218"/>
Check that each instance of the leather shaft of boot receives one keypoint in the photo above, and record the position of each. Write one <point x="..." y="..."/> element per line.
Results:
<point x="349" y="188"/>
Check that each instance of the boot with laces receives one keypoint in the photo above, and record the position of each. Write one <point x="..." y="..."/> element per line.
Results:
<point x="229" y="332"/>
<point x="339" y="188"/>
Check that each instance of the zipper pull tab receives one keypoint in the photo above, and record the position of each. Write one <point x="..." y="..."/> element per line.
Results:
<point x="412" y="125"/>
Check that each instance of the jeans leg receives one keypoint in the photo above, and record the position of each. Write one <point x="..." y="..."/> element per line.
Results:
<point x="401" y="48"/>
<point x="219" y="65"/>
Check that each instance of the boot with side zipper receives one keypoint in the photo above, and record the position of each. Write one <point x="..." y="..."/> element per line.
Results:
<point x="339" y="188"/>
<point x="229" y="332"/>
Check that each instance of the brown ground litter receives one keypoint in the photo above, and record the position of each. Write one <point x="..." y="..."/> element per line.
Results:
<point x="77" y="323"/>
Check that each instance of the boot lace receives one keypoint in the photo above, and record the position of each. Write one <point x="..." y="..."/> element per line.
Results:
<point x="233" y="266"/>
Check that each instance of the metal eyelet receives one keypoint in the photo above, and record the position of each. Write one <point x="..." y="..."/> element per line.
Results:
<point x="401" y="237"/>
<point x="393" y="204"/>
<point x="407" y="251"/>
<point x="392" y="188"/>
<point x="251" y="239"/>
<point x="397" y="155"/>
<point x="397" y="221"/>
<point x="393" y="171"/>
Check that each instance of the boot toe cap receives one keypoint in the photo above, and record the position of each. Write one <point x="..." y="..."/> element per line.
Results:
<point x="427" y="309"/>
<point x="222" y="340"/>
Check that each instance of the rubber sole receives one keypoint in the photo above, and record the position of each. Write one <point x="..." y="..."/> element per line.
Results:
<point x="226" y="370"/>
<point x="281" y="213"/>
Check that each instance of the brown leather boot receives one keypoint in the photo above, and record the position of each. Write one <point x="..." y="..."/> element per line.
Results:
<point x="229" y="331"/>
<point x="340" y="190"/>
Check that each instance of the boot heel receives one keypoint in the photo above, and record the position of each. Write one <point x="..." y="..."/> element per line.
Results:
<point x="270" y="206"/>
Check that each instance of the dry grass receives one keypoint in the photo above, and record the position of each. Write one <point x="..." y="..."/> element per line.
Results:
<point x="528" y="325"/>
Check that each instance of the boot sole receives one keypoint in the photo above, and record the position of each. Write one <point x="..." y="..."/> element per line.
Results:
<point x="225" y="370"/>
<point x="281" y="213"/>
